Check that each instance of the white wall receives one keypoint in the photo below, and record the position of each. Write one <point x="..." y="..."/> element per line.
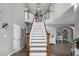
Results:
<point x="13" y="14"/>
<point x="60" y="8"/>
<point x="63" y="13"/>
<point x="76" y="15"/>
<point x="66" y="18"/>
<point x="76" y="30"/>
<point x="52" y="31"/>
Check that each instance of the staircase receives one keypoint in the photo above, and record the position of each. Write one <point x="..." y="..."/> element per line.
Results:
<point x="38" y="41"/>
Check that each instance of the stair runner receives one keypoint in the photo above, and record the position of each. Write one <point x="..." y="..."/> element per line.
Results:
<point x="38" y="42"/>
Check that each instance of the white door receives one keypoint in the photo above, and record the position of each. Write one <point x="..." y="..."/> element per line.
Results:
<point x="16" y="37"/>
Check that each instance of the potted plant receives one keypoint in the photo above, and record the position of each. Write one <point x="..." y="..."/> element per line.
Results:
<point x="76" y="41"/>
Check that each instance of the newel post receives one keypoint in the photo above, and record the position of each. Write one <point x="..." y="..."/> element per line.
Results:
<point x="27" y="42"/>
<point x="48" y="46"/>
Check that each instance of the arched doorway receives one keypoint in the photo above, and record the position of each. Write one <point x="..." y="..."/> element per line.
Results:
<point x="66" y="32"/>
<point x="63" y="44"/>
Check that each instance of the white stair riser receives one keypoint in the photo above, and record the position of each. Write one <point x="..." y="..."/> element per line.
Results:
<point x="38" y="48"/>
<point x="38" y="33"/>
<point x="38" y="41"/>
<point x="38" y="30"/>
<point x="35" y="35"/>
<point x="31" y="37"/>
<point x="42" y="32"/>
<point x="38" y="54"/>
<point x="38" y="45"/>
<point x="38" y="23"/>
<point x="38" y="27"/>
<point x="38" y="36"/>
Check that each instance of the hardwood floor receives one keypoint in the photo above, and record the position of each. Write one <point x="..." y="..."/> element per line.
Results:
<point x="23" y="52"/>
<point x="60" y="49"/>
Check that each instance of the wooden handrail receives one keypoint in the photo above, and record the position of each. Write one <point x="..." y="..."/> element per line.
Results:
<point x="27" y="40"/>
<point x="48" y="39"/>
<point x="45" y="28"/>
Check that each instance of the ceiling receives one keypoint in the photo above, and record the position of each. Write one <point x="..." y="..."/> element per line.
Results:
<point x="38" y="7"/>
<point x="66" y="16"/>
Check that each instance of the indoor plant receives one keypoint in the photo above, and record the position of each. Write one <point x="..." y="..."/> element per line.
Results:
<point x="76" y="41"/>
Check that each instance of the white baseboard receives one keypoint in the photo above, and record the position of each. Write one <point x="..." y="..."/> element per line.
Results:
<point x="11" y="53"/>
<point x="15" y="51"/>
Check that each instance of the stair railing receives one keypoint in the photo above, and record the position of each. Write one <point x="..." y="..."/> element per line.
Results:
<point x="48" y="39"/>
<point x="27" y="40"/>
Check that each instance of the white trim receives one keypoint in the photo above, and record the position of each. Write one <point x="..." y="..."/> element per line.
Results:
<point x="11" y="53"/>
<point x="15" y="51"/>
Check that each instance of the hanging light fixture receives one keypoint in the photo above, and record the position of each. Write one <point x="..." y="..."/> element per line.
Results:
<point x="38" y="5"/>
